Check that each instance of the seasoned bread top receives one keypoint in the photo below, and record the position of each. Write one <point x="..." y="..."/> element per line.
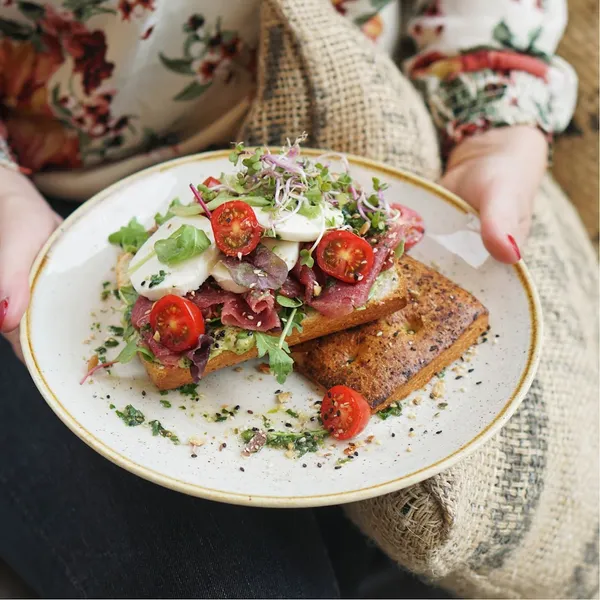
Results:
<point x="378" y="358"/>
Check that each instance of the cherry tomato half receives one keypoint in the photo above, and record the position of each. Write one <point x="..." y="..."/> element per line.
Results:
<point x="345" y="256"/>
<point x="178" y="322"/>
<point x="211" y="182"/>
<point x="235" y="227"/>
<point x="344" y="412"/>
<point x="412" y="224"/>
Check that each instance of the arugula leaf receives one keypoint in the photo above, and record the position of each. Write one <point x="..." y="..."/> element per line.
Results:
<point x="289" y="302"/>
<point x="130" y="238"/>
<point x="187" y="210"/>
<point x="132" y="348"/>
<point x="280" y="361"/>
<point x="306" y="258"/>
<point x="160" y="219"/>
<point x="399" y="251"/>
<point x="294" y="317"/>
<point x="188" y="241"/>
<point x="128" y="295"/>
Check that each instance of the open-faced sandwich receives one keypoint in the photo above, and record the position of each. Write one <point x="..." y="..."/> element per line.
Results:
<point x="280" y="252"/>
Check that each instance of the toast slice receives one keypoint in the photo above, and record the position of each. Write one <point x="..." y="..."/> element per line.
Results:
<point x="388" y="298"/>
<point x="388" y="359"/>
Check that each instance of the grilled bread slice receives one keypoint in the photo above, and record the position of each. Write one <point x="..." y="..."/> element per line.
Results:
<point x="388" y="359"/>
<point x="387" y="298"/>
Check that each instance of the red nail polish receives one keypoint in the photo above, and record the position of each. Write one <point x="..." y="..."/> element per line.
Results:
<point x="3" y="310"/>
<point x="513" y="243"/>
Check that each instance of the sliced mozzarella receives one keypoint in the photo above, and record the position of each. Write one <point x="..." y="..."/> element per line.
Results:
<point x="223" y="277"/>
<point x="181" y="278"/>
<point x="288" y="252"/>
<point x="297" y="227"/>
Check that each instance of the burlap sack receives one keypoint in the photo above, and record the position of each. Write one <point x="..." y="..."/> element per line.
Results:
<point x="576" y="152"/>
<point x="519" y="518"/>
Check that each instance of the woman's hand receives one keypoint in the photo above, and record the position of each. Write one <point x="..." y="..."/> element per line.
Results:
<point x="26" y="222"/>
<point x="498" y="173"/>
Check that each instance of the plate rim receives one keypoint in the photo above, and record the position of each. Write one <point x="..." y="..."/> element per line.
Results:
<point x="395" y="484"/>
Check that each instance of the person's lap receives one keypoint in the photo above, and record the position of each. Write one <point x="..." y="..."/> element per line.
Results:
<point x="75" y="525"/>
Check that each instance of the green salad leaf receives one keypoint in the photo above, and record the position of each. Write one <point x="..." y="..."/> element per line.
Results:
<point x="280" y="361"/>
<point x="131" y="349"/>
<point x="188" y="241"/>
<point x="288" y="302"/>
<point x="131" y="238"/>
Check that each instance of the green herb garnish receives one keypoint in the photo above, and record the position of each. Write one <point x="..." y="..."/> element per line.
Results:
<point x="222" y="415"/>
<point x="157" y="279"/>
<point x="131" y="238"/>
<point x="131" y="416"/>
<point x="292" y="413"/>
<point x="301" y="443"/>
<point x="158" y="429"/>
<point x="189" y="389"/>
<point x="118" y="331"/>
<point x="165" y="403"/>
<point x="393" y="410"/>
<point x="111" y="343"/>
<point x="306" y="258"/>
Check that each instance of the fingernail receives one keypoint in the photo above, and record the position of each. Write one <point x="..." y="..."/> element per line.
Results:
<point x="513" y="243"/>
<point x="3" y="310"/>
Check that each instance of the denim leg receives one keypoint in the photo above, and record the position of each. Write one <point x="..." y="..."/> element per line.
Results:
<point x="72" y="524"/>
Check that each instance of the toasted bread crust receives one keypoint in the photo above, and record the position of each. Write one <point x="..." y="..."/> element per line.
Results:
<point x="122" y="267"/>
<point x="314" y="326"/>
<point x="384" y="361"/>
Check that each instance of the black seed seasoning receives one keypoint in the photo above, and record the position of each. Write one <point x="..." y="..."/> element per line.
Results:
<point x="393" y="435"/>
<point x="438" y="432"/>
<point x="478" y="383"/>
<point x="242" y="469"/>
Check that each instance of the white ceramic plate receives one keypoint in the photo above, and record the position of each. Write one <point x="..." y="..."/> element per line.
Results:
<point x="66" y="284"/>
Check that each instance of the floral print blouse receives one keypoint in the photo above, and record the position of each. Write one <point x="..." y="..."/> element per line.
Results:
<point x="87" y="85"/>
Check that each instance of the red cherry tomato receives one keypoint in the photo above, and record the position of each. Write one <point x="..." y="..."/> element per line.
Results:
<point x="345" y="256"/>
<point x="412" y="224"/>
<point x="211" y="182"/>
<point x="235" y="227"/>
<point x="344" y="412"/>
<point x="178" y="323"/>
